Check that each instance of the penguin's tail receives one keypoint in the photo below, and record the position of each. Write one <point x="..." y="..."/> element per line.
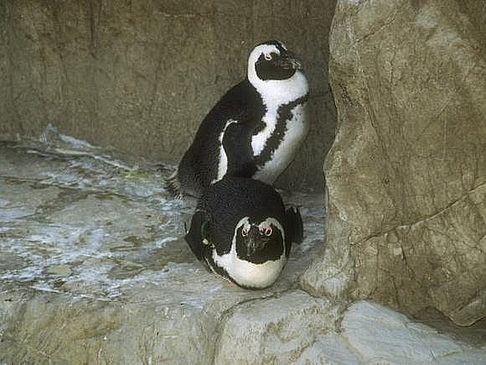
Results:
<point x="296" y="227"/>
<point x="173" y="185"/>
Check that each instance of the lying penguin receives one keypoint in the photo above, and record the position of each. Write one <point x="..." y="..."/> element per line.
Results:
<point x="260" y="121"/>
<point x="242" y="231"/>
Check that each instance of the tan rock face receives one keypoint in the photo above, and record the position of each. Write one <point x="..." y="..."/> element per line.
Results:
<point x="141" y="75"/>
<point x="406" y="176"/>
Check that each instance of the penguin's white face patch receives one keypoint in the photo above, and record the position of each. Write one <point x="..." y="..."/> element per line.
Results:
<point x="248" y="274"/>
<point x="246" y="227"/>
<point x="245" y="222"/>
<point x="265" y="229"/>
<point x="290" y="88"/>
<point x="263" y="49"/>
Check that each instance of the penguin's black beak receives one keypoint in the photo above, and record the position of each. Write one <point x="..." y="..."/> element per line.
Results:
<point x="289" y="61"/>
<point x="254" y="242"/>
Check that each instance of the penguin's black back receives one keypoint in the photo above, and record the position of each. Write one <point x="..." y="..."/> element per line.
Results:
<point x="233" y="198"/>
<point x="199" y="165"/>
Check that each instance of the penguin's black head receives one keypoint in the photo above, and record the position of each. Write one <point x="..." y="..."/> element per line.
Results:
<point x="271" y="60"/>
<point x="259" y="241"/>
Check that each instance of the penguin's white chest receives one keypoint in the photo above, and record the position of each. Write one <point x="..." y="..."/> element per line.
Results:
<point x="248" y="274"/>
<point x="278" y="144"/>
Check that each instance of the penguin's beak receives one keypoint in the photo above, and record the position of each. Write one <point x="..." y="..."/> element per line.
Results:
<point x="289" y="61"/>
<point x="254" y="241"/>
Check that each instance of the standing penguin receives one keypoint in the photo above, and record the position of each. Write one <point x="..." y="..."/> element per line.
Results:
<point x="242" y="231"/>
<point x="254" y="130"/>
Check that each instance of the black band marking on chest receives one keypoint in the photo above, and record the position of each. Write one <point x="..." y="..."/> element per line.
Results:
<point x="284" y="114"/>
<point x="260" y="127"/>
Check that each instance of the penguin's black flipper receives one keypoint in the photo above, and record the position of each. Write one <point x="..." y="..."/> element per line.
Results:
<point x="197" y="234"/>
<point x="295" y="225"/>
<point x="237" y="145"/>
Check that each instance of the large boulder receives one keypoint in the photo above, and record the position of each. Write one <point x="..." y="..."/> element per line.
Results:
<point x="406" y="176"/>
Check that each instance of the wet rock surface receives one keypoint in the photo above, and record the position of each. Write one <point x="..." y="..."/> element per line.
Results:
<point x="93" y="270"/>
<point x="406" y="176"/>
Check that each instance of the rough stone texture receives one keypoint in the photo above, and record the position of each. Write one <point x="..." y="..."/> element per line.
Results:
<point x="295" y="328"/>
<point x="290" y="329"/>
<point x="93" y="270"/>
<point x="140" y="75"/>
<point x="406" y="176"/>
<point x="378" y="335"/>
<point x="274" y="331"/>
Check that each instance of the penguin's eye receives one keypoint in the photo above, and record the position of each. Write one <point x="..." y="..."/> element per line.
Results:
<point x="267" y="231"/>
<point x="244" y="231"/>
<point x="268" y="56"/>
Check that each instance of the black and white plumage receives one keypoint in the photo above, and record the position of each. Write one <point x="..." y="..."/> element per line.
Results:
<point x="254" y="130"/>
<point x="242" y="231"/>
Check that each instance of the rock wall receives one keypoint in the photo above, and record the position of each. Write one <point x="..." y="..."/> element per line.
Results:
<point x="140" y="75"/>
<point x="406" y="176"/>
